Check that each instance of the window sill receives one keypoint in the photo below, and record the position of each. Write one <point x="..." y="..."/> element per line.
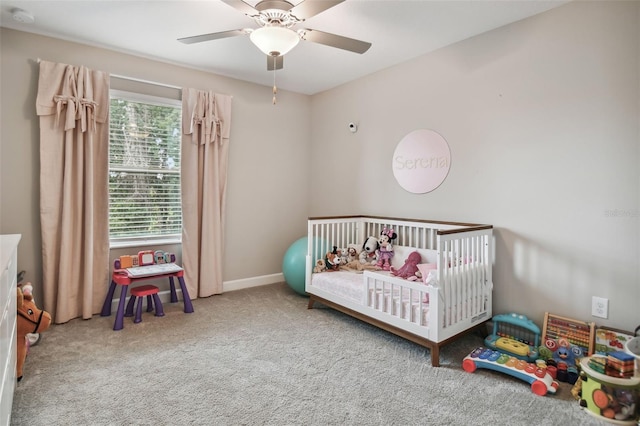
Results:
<point x="143" y="243"/>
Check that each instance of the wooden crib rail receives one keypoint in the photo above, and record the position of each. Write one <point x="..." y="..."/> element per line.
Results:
<point x="341" y="231"/>
<point x="444" y="227"/>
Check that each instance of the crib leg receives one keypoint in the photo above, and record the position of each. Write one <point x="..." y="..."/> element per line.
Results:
<point x="435" y="356"/>
<point x="482" y="329"/>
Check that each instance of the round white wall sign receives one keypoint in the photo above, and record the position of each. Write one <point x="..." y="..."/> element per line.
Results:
<point x="421" y="161"/>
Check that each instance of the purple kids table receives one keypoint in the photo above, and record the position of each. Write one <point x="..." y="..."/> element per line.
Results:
<point x="122" y="278"/>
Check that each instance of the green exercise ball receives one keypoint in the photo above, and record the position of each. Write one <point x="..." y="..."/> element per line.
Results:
<point x="294" y="263"/>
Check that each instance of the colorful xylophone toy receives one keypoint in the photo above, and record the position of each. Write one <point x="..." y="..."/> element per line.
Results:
<point x="533" y="373"/>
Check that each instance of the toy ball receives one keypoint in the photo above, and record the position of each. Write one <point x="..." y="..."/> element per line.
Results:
<point x="294" y="264"/>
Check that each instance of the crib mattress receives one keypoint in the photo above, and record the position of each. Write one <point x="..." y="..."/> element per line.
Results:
<point x="350" y="286"/>
<point x="341" y="283"/>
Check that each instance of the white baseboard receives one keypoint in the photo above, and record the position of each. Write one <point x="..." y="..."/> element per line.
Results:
<point x="252" y="282"/>
<point x="165" y="296"/>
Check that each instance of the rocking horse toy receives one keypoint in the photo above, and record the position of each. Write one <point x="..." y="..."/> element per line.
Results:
<point x="31" y="320"/>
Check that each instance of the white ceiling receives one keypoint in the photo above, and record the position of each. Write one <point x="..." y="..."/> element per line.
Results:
<point x="398" y="30"/>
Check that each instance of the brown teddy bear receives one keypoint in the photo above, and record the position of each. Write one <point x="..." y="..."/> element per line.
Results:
<point x="30" y="320"/>
<point x="320" y="266"/>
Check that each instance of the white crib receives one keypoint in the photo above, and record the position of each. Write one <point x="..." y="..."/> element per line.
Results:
<point x="458" y="300"/>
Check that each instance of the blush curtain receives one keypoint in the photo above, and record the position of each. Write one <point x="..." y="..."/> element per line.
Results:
<point x="73" y="107"/>
<point x="206" y="123"/>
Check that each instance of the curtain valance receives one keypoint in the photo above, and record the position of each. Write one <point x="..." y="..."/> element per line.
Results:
<point x="204" y="116"/>
<point x="73" y="93"/>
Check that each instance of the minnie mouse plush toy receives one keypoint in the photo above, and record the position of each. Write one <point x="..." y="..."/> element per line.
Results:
<point x="385" y="252"/>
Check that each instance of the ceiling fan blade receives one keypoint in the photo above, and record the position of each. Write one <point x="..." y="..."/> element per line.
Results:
<point x="334" y="40"/>
<point x="279" y="62"/>
<point x="243" y="7"/>
<point x="307" y="9"/>
<point x="212" y="36"/>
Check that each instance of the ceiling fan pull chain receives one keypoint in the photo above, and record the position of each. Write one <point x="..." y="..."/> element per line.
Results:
<point x="275" y="89"/>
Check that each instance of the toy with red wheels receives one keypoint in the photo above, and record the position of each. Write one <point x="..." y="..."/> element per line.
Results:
<point x="541" y="382"/>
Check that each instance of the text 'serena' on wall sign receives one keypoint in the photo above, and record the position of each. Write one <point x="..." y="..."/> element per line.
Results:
<point x="421" y="161"/>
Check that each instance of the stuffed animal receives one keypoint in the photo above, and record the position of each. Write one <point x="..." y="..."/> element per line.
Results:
<point x="342" y="255"/>
<point x="352" y="254"/>
<point x="385" y="250"/>
<point x="320" y="266"/>
<point x="368" y="253"/>
<point x="409" y="270"/>
<point x="30" y="320"/>
<point x="332" y="260"/>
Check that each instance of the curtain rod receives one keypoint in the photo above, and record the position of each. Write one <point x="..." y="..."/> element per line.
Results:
<point x="139" y="80"/>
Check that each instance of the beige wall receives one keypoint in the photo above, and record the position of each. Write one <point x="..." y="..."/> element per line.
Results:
<point x="268" y="156"/>
<point x="541" y="117"/>
<point x="542" y="120"/>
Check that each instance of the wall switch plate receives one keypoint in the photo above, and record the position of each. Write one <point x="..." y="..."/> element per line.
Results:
<point x="599" y="307"/>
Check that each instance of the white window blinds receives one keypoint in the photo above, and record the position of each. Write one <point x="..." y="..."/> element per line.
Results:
<point x="144" y="167"/>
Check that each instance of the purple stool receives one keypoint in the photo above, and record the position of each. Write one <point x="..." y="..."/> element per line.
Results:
<point x="138" y="293"/>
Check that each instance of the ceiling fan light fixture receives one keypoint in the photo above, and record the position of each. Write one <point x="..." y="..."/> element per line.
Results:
<point x="274" y="41"/>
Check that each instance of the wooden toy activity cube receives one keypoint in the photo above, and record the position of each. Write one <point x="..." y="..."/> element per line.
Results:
<point x="569" y="333"/>
<point x="564" y="342"/>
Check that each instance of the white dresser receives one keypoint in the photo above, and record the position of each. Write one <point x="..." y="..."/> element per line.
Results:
<point x="8" y="263"/>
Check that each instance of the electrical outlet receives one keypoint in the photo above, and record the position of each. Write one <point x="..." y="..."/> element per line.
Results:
<point x="599" y="307"/>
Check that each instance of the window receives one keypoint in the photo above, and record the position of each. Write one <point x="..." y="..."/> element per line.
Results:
<point x="144" y="169"/>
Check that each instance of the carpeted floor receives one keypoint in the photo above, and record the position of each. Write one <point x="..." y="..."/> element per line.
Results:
<point x="260" y="357"/>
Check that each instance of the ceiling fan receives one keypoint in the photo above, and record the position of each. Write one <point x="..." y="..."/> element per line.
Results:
<point x="275" y="36"/>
